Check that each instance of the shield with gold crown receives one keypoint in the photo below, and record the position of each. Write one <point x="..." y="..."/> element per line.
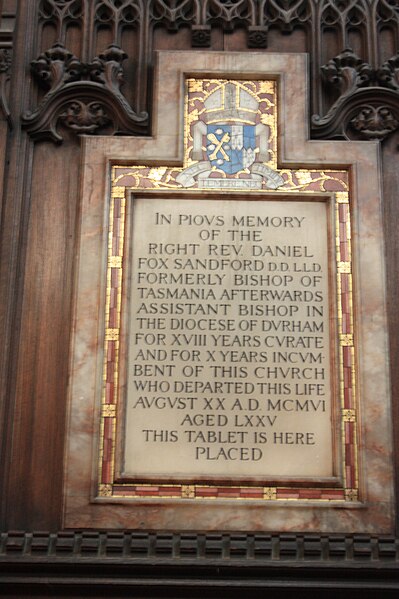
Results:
<point x="228" y="128"/>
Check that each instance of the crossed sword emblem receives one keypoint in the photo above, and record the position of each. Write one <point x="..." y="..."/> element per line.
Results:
<point x="218" y="146"/>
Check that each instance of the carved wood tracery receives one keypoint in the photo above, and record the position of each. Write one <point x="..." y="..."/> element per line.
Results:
<point x="347" y="21"/>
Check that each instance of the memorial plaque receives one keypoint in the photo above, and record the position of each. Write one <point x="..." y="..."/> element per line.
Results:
<point x="226" y="354"/>
<point x="229" y="368"/>
<point x="230" y="336"/>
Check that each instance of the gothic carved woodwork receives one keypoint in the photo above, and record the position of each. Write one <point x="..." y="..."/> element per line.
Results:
<point x="388" y="73"/>
<point x="84" y="96"/>
<point x="368" y="102"/>
<point x="85" y="117"/>
<point x="374" y="122"/>
<point x="261" y="548"/>
<point x="347" y="72"/>
<point x="71" y="78"/>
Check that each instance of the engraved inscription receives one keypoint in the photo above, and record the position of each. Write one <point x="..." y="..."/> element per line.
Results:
<point x="229" y="366"/>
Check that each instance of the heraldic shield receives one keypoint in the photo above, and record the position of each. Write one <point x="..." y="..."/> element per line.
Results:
<point x="229" y="138"/>
<point x="231" y="148"/>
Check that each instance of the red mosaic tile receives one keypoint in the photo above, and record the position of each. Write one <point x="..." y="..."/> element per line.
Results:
<point x="114" y="278"/>
<point x="127" y="181"/>
<point x="350" y="432"/>
<point x="344" y="251"/>
<point x="347" y="377"/>
<point x="345" y="301"/>
<point x="251" y="490"/>
<point x="340" y="179"/>
<point x="223" y="491"/>
<point x="112" y="301"/>
<point x="170" y="492"/>
<point x="120" y="490"/>
<point x="111" y="351"/>
<point x="350" y="477"/>
<point x="148" y="493"/>
<point x="106" y="473"/>
<point x="110" y="372"/>
<point x="227" y="493"/>
<point x="348" y="398"/>
<point x="349" y="324"/>
<point x="106" y="461"/>
<point x="347" y="356"/>
<point x="109" y="393"/>
<point x="253" y="494"/>
<point x="341" y="213"/>
<point x="117" y="208"/>
<point x="309" y="494"/>
<point x="348" y="455"/>
<point x="333" y="494"/>
<point x="287" y="494"/>
<point x="146" y="488"/>
<point x="115" y="246"/>
<point x="205" y="491"/>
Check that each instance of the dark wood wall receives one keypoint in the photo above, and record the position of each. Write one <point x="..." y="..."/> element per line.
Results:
<point x="60" y="68"/>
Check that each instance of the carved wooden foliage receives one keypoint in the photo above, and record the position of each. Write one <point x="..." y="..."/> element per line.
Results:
<point x="343" y="76"/>
<point x="368" y="104"/>
<point x="84" y="96"/>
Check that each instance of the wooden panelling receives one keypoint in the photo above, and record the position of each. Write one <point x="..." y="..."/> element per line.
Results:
<point x="40" y="180"/>
<point x="42" y="357"/>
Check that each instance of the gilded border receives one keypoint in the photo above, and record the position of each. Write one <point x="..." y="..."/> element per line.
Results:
<point x="312" y="181"/>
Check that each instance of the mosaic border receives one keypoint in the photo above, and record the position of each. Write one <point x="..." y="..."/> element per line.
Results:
<point x="312" y="181"/>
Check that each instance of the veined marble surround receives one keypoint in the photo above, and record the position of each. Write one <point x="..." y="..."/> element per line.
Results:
<point x="83" y="508"/>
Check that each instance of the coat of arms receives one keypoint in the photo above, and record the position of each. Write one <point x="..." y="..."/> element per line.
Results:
<point x="229" y="140"/>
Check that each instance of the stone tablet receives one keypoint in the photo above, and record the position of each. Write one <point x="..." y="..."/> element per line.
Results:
<point x="229" y="363"/>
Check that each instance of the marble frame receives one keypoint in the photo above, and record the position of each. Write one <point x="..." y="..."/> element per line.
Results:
<point x="82" y="509"/>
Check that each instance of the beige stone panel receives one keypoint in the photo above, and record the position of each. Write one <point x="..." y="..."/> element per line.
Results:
<point x="230" y="403"/>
